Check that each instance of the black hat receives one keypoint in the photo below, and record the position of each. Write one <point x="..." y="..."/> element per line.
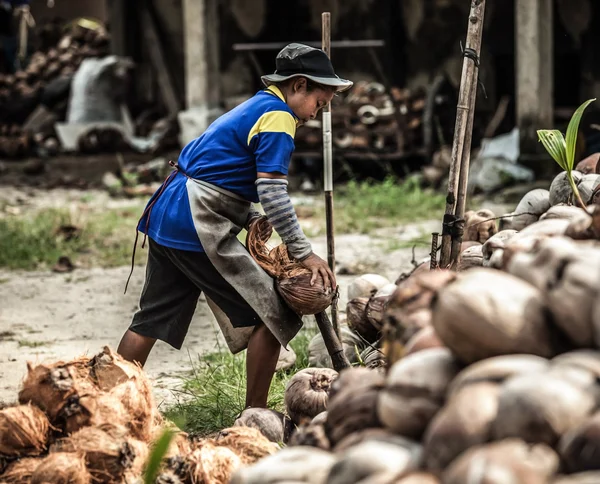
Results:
<point x="296" y="60"/>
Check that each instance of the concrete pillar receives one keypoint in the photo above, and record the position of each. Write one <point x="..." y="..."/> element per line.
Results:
<point x="534" y="71"/>
<point x="201" y="44"/>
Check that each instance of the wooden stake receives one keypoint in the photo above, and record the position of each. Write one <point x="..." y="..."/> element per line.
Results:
<point x="463" y="132"/>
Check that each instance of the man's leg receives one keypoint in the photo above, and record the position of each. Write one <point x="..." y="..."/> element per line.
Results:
<point x="261" y="360"/>
<point x="135" y="347"/>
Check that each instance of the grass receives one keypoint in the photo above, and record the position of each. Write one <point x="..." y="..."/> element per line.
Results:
<point x="214" y="394"/>
<point x="31" y="344"/>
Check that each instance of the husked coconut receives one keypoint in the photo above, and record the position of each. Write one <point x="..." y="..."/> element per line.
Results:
<point x="358" y="321"/>
<point x="494" y="244"/>
<point x="212" y="463"/>
<point x="560" y="188"/>
<point x="20" y="471"/>
<point x="307" y="393"/>
<point x="61" y="468"/>
<point x="395" y="338"/>
<point x="520" y="245"/>
<point x="292" y="464"/>
<point x="415" y="390"/>
<point x="592" y="477"/>
<point x="272" y="424"/>
<point x="372" y="434"/>
<point x="464" y="422"/>
<point x="479" y="225"/>
<point x="533" y="204"/>
<point x="351" y="342"/>
<point x="511" y="461"/>
<point x="355" y="378"/>
<point x="424" y="339"/>
<point x="562" y="211"/>
<point x="585" y="225"/>
<point x="586" y="359"/>
<point x="588" y="165"/>
<point x="496" y="370"/>
<point x="371" y="457"/>
<point x="549" y="227"/>
<point x="248" y="443"/>
<point x="24" y="431"/>
<point x="311" y="435"/>
<point x="376" y="306"/>
<point x="366" y="285"/>
<point x="540" y="408"/>
<point x="487" y="313"/>
<point x="471" y="257"/>
<point x="579" y="448"/>
<point x="587" y="188"/>
<point x="322" y="417"/>
<point x="287" y="359"/>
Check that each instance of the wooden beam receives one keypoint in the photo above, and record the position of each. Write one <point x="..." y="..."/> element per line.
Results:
<point x="117" y="18"/>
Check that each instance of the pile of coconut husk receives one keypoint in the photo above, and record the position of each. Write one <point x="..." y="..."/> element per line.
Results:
<point x="95" y="420"/>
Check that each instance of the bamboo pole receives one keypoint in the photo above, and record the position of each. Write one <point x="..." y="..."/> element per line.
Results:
<point x="328" y="169"/>
<point x="463" y="132"/>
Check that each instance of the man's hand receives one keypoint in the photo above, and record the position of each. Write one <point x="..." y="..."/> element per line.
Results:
<point x="319" y="266"/>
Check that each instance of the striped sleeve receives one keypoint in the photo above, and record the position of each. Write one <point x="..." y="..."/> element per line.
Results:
<point x="272" y="140"/>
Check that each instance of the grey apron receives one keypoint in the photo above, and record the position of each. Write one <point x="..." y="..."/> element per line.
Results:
<point x="219" y="216"/>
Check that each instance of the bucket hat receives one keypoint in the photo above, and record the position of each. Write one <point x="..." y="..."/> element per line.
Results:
<point x="296" y="60"/>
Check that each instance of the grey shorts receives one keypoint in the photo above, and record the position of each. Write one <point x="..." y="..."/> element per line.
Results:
<point x="174" y="281"/>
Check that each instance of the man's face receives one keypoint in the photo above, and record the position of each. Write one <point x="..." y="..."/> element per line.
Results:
<point x="306" y="104"/>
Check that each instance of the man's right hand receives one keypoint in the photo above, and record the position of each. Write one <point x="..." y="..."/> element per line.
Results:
<point x="319" y="267"/>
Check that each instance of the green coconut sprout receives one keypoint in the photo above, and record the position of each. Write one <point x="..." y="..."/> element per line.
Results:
<point x="563" y="151"/>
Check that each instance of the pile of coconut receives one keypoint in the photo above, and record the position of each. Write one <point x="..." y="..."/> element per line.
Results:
<point x="487" y="375"/>
<point x="93" y="420"/>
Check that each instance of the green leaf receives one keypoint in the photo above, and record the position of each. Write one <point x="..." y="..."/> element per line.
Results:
<point x="554" y="142"/>
<point x="572" y="132"/>
<point x="158" y="452"/>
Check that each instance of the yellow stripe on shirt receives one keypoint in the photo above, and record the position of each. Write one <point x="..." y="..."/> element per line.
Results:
<point x="274" y="122"/>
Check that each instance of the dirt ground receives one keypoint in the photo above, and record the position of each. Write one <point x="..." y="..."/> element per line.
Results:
<point x="46" y="316"/>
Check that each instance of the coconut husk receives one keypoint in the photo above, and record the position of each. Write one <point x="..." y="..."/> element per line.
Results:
<point x="272" y="424"/>
<point x="494" y="244"/>
<point x="180" y="443"/>
<point x="533" y="204"/>
<point x="357" y="379"/>
<point x="107" y="451"/>
<point x="306" y="394"/>
<point x="560" y="188"/>
<point x="24" y="431"/>
<point x="513" y="458"/>
<point x="373" y="358"/>
<point x="312" y="435"/>
<point x="415" y="390"/>
<point x="61" y="468"/>
<point x="423" y="340"/>
<point x="50" y="386"/>
<point x="585" y="226"/>
<point x="588" y="189"/>
<point x="141" y="453"/>
<point x="137" y="399"/>
<point x="109" y="369"/>
<point x="248" y="443"/>
<point x="168" y="477"/>
<point x="20" y="471"/>
<point x="415" y="478"/>
<point x="471" y="257"/>
<point x="376" y="306"/>
<point x="478" y="226"/>
<point x="212" y="463"/>
<point x="487" y="313"/>
<point x="292" y="278"/>
<point x="358" y="321"/>
<point x="562" y="211"/>
<point x="95" y="409"/>
<point x="587" y="359"/>
<point x="540" y="408"/>
<point x="366" y="285"/>
<point x="465" y="421"/>
<point x="497" y="370"/>
<point x="588" y="165"/>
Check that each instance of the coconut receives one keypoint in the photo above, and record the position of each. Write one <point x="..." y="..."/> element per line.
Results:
<point x="495" y="244"/>
<point x="488" y="313"/>
<point x="496" y="370"/>
<point x="479" y="226"/>
<point x="61" y="468"/>
<point x="167" y="477"/>
<point x="415" y="391"/>
<point x="292" y="464"/>
<point x="287" y="359"/>
<point x="560" y="188"/>
<point x="533" y="204"/>
<point x="312" y="435"/>
<point x="212" y="463"/>
<point x="355" y="378"/>
<point x="49" y="387"/>
<point x="366" y="285"/>
<point x="372" y="434"/>
<point x="376" y="306"/>
<point x="471" y="257"/>
<point x="424" y="339"/>
<point x="562" y="211"/>
<point x="415" y="478"/>
<point x="107" y="450"/>
<point x="273" y="425"/>
<point x="579" y="448"/>
<point x="180" y="443"/>
<point x="322" y="417"/>
<point x="358" y="321"/>
<point x="548" y="227"/>
<point x="585" y="225"/>
<point x="136" y="396"/>
<point x="588" y="165"/>
<point x="592" y="477"/>
<point x="141" y="453"/>
<point x="110" y="369"/>
<point x="396" y="337"/>
<point x="540" y="407"/>
<point x="586" y="359"/>
<point x="319" y="356"/>
<point x="306" y="393"/>
<point x="510" y="460"/>
<point x="246" y="442"/>
<point x="24" y="430"/>
<point x="371" y="457"/>
<point x="94" y="409"/>
<point x="465" y="421"/>
<point x="587" y="188"/>
<point x="20" y="471"/>
<point x="373" y="358"/>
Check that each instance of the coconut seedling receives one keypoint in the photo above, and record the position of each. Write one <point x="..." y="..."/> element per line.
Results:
<point x="563" y="150"/>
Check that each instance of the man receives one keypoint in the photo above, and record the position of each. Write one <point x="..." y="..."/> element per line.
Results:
<point x="194" y="218"/>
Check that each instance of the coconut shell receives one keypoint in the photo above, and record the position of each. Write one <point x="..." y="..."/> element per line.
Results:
<point x="61" y="468"/>
<point x="292" y="464"/>
<point x="464" y="422"/>
<point x="24" y="431"/>
<point x="358" y="321"/>
<point x="562" y="211"/>
<point x="302" y="297"/>
<point x="560" y="188"/>
<point x="478" y="226"/>
<point x="366" y="285"/>
<point x="370" y="458"/>
<point x="248" y="443"/>
<point x="510" y="460"/>
<point x="471" y="257"/>
<point x="533" y="204"/>
<point x="415" y="390"/>
<point x="273" y="425"/>
<point x="496" y="370"/>
<point x="423" y="340"/>
<point x="212" y="463"/>
<point x="307" y="393"/>
<point x="540" y="408"/>
<point x="20" y="471"/>
<point x="487" y="313"/>
<point x="579" y="448"/>
<point x="312" y="435"/>
<point x="50" y="386"/>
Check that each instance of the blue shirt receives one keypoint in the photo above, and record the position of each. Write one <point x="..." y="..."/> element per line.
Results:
<point x="256" y="136"/>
